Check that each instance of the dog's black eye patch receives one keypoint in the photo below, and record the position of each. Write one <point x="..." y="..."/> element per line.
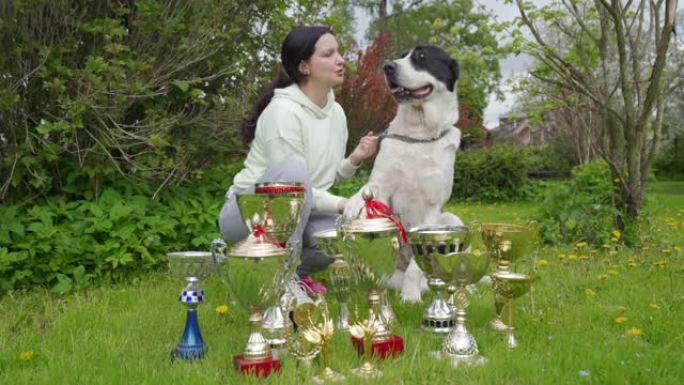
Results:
<point x="436" y="62"/>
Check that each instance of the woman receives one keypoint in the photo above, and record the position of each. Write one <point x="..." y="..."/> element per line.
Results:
<point x="299" y="133"/>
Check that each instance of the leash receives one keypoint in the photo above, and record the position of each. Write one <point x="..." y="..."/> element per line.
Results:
<point x="409" y="139"/>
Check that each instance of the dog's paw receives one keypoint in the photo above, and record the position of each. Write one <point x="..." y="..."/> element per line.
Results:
<point x="412" y="286"/>
<point x="354" y="207"/>
<point x="396" y="280"/>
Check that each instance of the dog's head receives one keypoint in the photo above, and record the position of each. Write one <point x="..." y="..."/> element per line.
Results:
<point x="420" y="73"/>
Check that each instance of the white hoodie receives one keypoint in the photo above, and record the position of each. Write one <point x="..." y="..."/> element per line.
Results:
<point x="292" y="124"/>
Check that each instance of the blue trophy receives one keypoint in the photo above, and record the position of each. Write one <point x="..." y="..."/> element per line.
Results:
<point x="192" y="266"/>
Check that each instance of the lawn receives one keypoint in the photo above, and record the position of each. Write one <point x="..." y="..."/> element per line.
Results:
<point x="594" y="316"/>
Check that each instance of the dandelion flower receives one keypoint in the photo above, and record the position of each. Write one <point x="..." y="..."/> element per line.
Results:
<point x="654" y="306"/>
<point x="222" y="309"/>
<point x="620" y="320"/>
<point x="661" y="263"/>
<point x="634" y="332"/>
<point x="616" y="234"/>
<point x="605" y="246"/>
<point x="589" y="292"/>
<point x="572" y="257"/>
<point x="602" y="277"/>
<point x="26" y="355"/>
<point x="613" y="272"/>
<point x="631" y="262"/>
<point x="580" y="245"/>
<point x="542" y="262"/>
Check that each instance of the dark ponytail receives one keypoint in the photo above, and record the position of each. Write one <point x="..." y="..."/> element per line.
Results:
<point x="298" y="46"/>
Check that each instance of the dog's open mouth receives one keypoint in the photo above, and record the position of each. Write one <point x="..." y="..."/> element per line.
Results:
<point x="416" y="93"/>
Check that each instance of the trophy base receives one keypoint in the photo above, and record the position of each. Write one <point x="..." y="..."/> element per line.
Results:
<point x="188" y="352"/>
<point x="327" y="376"/>
<point x="390" y="347"/>
<point x="367" y="370"/>
<point x="461" y="360"/>
<point x="261" y="368"/>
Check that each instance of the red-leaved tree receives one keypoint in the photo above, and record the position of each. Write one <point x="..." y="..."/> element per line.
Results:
<point x="364" y="94"/>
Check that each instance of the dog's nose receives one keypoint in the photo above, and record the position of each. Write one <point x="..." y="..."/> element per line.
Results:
<point x="390" y="67"/>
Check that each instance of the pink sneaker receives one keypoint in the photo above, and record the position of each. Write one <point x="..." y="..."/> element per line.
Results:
<point x="313" y="287"/>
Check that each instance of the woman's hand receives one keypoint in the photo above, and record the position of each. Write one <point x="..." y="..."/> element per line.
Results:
<point x="367" y="147"/>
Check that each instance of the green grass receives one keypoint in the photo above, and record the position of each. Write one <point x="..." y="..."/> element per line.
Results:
<point x="123" y="334"/>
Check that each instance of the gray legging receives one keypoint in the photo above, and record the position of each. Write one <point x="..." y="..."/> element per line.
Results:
<point x="292" y="169"/>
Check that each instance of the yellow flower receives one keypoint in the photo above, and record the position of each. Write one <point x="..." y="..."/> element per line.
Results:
<point x="613" y="272"/>
<point x="589" y="292"/>
<point x="666" y="251"/>
<point x="602" y="276"/>
<point x="654" y="306"/>
<point x="572" y="257"/>
<point x="616" y="234"/>
<point x="677" y="248"/>
<point x="580" y="245"/>
<point x="634" y="332"/>
<point x="561" y="256"/>
<point x="583" y="258"/>
<point x="542" y="262"/>
<point x="661" y="263"/>
<point x="631" y="262"/>
<point x="222" y="309"/>
<point x="622" y="309"/>
<point x="605" y="246"/>
<point x="26" y="356"/>
<point x="620" y="320"/>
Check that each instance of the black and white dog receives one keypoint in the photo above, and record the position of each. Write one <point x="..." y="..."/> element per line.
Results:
<point x="414" y="169"/>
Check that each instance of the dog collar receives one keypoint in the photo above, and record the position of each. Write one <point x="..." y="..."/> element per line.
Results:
<point x="409" y="139"/>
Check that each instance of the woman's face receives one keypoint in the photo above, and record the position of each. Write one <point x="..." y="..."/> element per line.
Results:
<point x="326" y="66"/>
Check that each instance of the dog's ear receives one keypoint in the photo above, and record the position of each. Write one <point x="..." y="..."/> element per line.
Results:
<point x="453" y="66"/>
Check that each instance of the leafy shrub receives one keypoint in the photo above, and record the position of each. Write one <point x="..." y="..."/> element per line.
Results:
<point x="579" y="209"/>
<point x="490" y="174"/>
<point x="670" y="162"/>
<point x="66" y="245"/>
<point x="352" y="185"/>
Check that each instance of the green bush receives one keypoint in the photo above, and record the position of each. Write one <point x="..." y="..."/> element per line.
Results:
<point x="579" y="209"/>
<point x="670" y="162"/>
<point x="65" y="245"/>
<point x="490" y="174"/>
<point x="149" y="89"/>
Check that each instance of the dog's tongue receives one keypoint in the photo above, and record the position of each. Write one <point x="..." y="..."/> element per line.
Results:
<point x="421" y="91"/>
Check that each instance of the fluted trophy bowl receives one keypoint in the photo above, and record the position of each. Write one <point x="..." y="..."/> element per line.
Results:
<point x="507" y="287"/>
<point x="192" y="266"/>
<point x="438" y="317"/>
<point x="436" y="248"/>
<point x="340" y="273"/>
<point x="283" y="218"/>
<point x="198" y="264"/>
<point x="506" y="242"/>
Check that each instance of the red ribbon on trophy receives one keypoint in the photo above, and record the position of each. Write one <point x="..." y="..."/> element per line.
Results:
<point x="260" y="232"/>
<point x="377" y="209"/>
